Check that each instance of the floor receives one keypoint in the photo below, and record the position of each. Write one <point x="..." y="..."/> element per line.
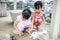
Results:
<point x="6" y="27"/>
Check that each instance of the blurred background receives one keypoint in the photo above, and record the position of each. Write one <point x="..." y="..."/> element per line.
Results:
<point x="17" y="6"/>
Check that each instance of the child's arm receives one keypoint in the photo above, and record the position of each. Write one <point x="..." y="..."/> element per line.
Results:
<point x="32" y="23"/>
<point x="15" y="25"/>
<point x="44" y="20"/>
<point x="32" y="20"/>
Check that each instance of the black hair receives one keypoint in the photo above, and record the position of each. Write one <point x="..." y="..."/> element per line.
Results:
<point x="38" y="4"/>
<point x="26" y="13"/>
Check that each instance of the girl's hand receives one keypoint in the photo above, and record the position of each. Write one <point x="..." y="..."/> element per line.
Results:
<point x="17" y="32"/>
<point x="32" y="29"/>
<point x="46" y="23"/>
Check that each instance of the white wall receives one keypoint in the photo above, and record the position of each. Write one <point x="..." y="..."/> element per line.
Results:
<point x="3" y="9"/>
<point x="54" y="29"/>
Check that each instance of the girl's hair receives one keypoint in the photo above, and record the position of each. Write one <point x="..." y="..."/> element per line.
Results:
<point x="26" y="13"/>
<point x="38" y="4"/>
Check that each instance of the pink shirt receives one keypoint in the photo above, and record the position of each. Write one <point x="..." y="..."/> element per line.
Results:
<point x="37" y="19"/>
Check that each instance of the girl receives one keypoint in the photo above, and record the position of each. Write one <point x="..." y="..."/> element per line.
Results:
<point x="37" y="16"/>
<point x="22" y="22"/>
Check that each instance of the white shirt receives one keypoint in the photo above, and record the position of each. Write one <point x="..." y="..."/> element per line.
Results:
<point x="22" y="24"/>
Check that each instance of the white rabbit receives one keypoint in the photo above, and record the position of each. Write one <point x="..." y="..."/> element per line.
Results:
<point x="43" y="35"/>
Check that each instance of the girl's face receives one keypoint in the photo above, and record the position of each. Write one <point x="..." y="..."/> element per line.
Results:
<point x="38" y="10"/>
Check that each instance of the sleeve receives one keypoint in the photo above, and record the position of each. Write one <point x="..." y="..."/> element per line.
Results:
<point x="18" y="18"/>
